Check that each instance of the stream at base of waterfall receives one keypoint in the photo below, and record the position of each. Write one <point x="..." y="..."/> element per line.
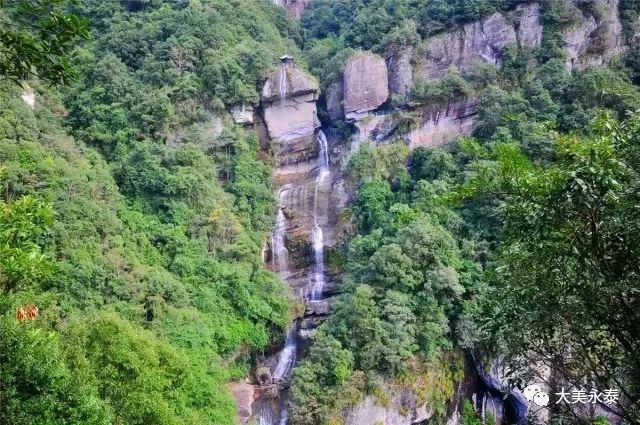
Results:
<point x="292" y="196"/>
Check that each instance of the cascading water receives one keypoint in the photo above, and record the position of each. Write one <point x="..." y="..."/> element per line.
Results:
<point x="280" y="255"/>
<point x="295" y="198"/>
<point x="280" y="263"/>
<point x="283" y="83"/>
<point x="323" y="154"/>
<point x="265" y="417"/>
<point x="287" y="356"/>
<point x="284" y="417"/>
<point x="318" y="278"/>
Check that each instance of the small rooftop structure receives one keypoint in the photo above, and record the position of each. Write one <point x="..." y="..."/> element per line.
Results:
<point x="287" y="60"/>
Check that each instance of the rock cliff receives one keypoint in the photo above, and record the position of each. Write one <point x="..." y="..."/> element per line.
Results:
<point x="443" y="124"/>
<point x="475" y="42"/>
<point x="593" y="38"/>
<point x="365" y="84"/>
<point x="596" y="35"/>
<point x="289" y="98"/>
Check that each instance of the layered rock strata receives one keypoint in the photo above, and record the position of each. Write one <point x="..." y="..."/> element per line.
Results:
<point x="289" y="106"/>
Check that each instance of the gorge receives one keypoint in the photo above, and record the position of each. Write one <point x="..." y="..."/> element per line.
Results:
<point x="312" y="191"/>
<point x="320" y="212"/>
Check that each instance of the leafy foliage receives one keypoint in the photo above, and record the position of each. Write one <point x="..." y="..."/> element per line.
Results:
<point x="36" y="37"/>
<point x="139" y="237"/>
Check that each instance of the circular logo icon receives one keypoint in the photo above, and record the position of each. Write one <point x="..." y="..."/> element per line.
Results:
<point x="535" y="393"/>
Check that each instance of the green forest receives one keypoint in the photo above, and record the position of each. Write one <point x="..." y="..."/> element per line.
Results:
<point x="142" y="256"/>
<point x="134" y="212"/>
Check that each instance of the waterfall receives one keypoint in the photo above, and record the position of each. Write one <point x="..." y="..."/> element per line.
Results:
<point x="323" y="152"/>
<point x="287" y="356"/>
<point x="294" y="197"/>
<point x="284" y="417"/>
<point x="265" y="417"/>
<point x="318" y="268"/>
<point x="318" y="278"/>
<point x="279" y="253"/>
<point x="280" y="263"/>
<point x="283" y="83"/>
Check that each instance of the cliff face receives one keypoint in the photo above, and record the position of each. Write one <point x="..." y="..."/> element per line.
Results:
<point x="596" y="37"/>
<point x="474" y="42"/>
<point x="289" y="105"/>
<point x="482" y="41"/>
<point x="365" y="84"/>
<point x="443" y="124"/>
<point x="593" y="38"/>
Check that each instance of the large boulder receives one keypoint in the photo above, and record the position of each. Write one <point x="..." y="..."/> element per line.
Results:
<point x="365" y="84"/>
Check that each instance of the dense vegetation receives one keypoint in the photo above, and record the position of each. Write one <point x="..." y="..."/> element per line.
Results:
<point x="520" y="240"/>
<point x="132" y="216"/>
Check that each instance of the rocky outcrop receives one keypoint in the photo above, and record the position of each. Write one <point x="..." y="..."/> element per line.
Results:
<point x="404" y="408"/>
<point x="596" y="36"/>
<point x="289" y="105"/>
<point x="365" y="84"/>
<point x="375" y="128"/>
<point x="529" y="25"/>
<point x="242" y="114"/>
<point x="296" y="7"/>
<point x="593" y="39"/>
<point x="481" y="41"/>
<point x="400" y="71"/>
<point x="444" y="124"/>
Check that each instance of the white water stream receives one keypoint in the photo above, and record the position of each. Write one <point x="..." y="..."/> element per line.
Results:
<point x="318" y="278"/>
<point x="283" y="83"/>
<point x="287" y="356"/>
<point x="296" y="198"/>
<point x="280" y="255"/>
